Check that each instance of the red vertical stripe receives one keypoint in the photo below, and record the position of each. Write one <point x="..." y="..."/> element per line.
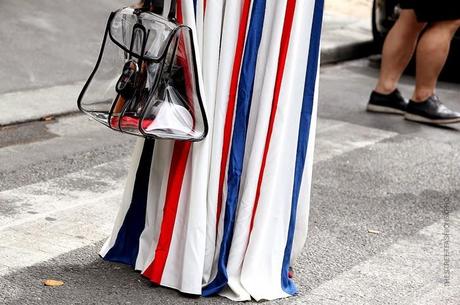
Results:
<point x="285" y="37"/>
<point x="231" y="103"/>
<point x="176" y="176"/>
<point x="180" y="17"/>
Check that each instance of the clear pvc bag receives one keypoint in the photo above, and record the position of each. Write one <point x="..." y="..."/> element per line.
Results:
<point x="145" y="81"/>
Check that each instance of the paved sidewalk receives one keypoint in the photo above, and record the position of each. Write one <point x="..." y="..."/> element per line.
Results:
<point x="345" y="37"/>
<point x="347" y="30"/>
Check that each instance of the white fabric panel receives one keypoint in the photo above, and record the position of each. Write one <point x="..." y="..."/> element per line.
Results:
<point x="230" y="26"/>
<point x="183" y="269"/>
<point x="199" y="23"/>
<point x="166" y="8"/>
<point x="303" y="210"/>
<point x="261" y="272"/>
<point x="184" y="266"/>
<point x="211" y="53"/>
<point x="267" y="65"/>
<point x="127" y="195"/>
<point x="155" y="203"/>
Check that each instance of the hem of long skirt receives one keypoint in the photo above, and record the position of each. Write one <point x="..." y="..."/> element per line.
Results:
<point x="164" y="285"/>
<point x="117" y="261"/>
<point x="194" y="293"/>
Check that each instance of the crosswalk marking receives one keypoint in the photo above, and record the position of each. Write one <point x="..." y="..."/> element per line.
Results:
<point x="40" y="239"/>
<point x="63" y="214"/>
<point x="36" y="201"/>
<point x="55" y="217"/>
<point x="337" y="137"/>
<point x="402" y="274"/>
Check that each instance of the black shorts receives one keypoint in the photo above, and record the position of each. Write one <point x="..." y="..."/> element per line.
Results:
<point x="432" y="11"/>
<point x="407" y="4"/>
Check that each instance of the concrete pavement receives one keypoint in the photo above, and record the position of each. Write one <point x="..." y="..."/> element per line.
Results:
<point x="50" y="43"/>
<point x="377" y="221"/>
<point x="347" y="30"/>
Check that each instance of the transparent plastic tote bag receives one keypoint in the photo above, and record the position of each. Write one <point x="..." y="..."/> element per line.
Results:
<point x="145" y="81"/>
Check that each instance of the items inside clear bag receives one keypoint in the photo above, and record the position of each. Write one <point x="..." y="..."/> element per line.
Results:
<point x="145" y="82"/>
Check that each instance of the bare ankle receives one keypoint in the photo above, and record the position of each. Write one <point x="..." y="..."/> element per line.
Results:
<point x="421" y="96"/>
<point x="384" y="89"/>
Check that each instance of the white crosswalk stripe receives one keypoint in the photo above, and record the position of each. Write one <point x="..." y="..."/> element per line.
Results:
<point x="409" y="272"/>
<point x="53" y="217"/>
<point x="56" y="216"/>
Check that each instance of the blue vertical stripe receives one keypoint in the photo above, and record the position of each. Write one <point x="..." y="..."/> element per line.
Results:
<point x="302" y="142"/>
<point x="244" y="99"/>
<point x="126" y="246"/>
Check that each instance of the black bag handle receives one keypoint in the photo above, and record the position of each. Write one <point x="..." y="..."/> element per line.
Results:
<point x="158" y="6"/>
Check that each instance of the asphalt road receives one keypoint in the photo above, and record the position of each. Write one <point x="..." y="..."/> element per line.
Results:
<point x="42" y="43"/>
<point x="377" y="222"/>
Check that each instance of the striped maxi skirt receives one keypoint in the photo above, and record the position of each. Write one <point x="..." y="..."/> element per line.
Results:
<point x="229" y="215"/>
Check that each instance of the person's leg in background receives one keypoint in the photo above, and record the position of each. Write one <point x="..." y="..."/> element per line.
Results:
<point x="432" y="51"/>
<point x="397" y="52"/>
<point x="398" y="49"/>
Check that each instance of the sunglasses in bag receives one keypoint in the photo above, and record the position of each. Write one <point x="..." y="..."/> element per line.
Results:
<point x="145" y="81"/>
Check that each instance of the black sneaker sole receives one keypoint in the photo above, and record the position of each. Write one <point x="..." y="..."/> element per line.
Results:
<point x="421" y="119"/>
<point x="383" y="109"/>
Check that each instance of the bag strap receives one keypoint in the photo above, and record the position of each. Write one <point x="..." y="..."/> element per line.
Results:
<point x="158" y="7"/>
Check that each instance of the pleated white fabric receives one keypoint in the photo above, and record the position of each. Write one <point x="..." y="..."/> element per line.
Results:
<point x="229" y="215"/>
